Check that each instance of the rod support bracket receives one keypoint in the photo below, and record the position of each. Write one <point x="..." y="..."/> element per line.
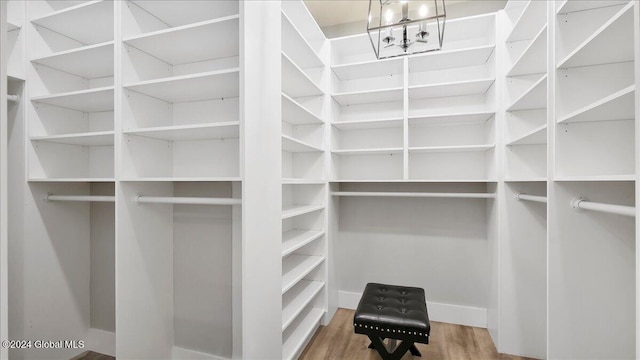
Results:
<point x="575" y="203"/>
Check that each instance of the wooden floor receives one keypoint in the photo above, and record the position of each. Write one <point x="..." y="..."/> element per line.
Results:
<point x="447" y="341"/>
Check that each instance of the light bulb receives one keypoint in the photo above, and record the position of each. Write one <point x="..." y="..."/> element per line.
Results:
<point x="388" y="16"/>
<point x="423" y="10"/>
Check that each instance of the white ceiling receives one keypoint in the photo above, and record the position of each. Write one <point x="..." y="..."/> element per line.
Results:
<point x="346" y="17"/>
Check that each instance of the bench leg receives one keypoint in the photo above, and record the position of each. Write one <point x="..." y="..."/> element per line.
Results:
<point x="414" y="350"/>
<point x="376" y="343"/>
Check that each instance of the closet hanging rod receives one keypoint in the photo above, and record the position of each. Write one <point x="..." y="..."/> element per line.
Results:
<point x="542" y="199"/>
<point x="90" y="198"/>
<point x="13" y="98"/>
<point x="584" y="204"/>
<point x="187" y="200"/>
<point x="416" y="194"/>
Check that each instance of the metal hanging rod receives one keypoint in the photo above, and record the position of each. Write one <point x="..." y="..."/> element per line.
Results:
<point x="542" y="199"/>
<point x="89" y="198"/>
<point x="13" y="98"/>
<point x="187" y="200"/>
<point x="416" y="194"/>
<point x="584" y="204"/>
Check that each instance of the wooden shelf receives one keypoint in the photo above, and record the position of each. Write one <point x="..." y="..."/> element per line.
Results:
<point x="89" y="62"/>
<point x="452" y="119"/>
<point x="182" y="179"/>
<point x="294" y="44"/>
<point x="443" y="149"/>
<point x="89" y="23"/>
<point x="187" y="44"/>
<point x="534" y="98"/>
<point x="295" y="82"/>
<point x="90" y="100"/>
<point x="604" y="178"/>
<point x="196" y="87"/>
<point x="617" y="106"/>
<point x="300" y="210"/>
<point x="531" y="20"/>
<point x="208" y="131"/>
<point x="368" y="124"/>
<point x="369" y="69"/>
<point x="291" y="144"/>
<point x="72" y="180"/>
<point x="99" y="138"/>
<point x="460" y="88"/>
<point x="294" y="343"/>
<point x="573" y="6"/>
<point x="611" y="43"/>
<point x="305" y="292"/>
<point x="537" y="136"/>
<point x="415" y="195"/>
<point x="296" y="267"/>
<point x="449" y="59"/>
<point x="293" y="240"/>
<point x="296" y="114"/>
<point x="368" y="96"/>
<point x="534" y="58"/>
<point x="372" y="151"/>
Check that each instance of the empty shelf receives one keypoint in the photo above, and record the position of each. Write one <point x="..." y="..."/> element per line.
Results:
<point x="369" y="69"/>
<point x="534" y="98"/>
<point x="89" y="23"/>
<point x="573" y="6"/>
<point x="91" y="100"/>
<point x="300" y="210"/>
<point x="450" y="89"/>
<point x="372" y="151"/>
<point x="531" y="20"/>
<point x="294" y="113"/>
<point x="208" y="131"/>
<point x="416" y="195"/>
<point x="622" y="177"/>
<point x="368" y="124"/>
<point x="536" y="136"/>
<point x="188" y="43"/>
<point x="611" y="43"/>
<point x="530" y="179"/>
<point x="442" y="149"/>
<point x="294" y="145"/>
<point x="294" y="44"/>
<point x="90" y="62"/>
<point x="449" y="59"/>
<point x="300" y="181"/>
<point x="617" y="106"/>
<point x="295" y="82"/>
<point x="11" y="26"/>
<point x="72" y="180"/>
<point x="534" y="58"/>
<point x="452" y="119"/>
<point x="303" y="331"/>
<point x="293" y="240"/>
<point x="195" y="87"/>
<point x="99" y="138"/>
<point x="296" y="267"/>
<point x="305" y="292"/>
<point x="182" y="179"/>
<point x="368" y="96"/>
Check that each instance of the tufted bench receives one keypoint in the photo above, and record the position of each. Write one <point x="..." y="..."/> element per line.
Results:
<point x="393" y="312"/>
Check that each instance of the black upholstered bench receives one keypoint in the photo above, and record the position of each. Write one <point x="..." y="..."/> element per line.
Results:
<point x="393" y="312"/>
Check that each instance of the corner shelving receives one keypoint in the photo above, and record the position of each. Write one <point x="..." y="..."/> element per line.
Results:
<point x="460" y="88"/>
<point x="531" y="19"/>
<point x="74" y="21"/>
<point x="369" y="69"/>
<point x="93" y="61"/>
<point x="535" y="97"/>
<point x="194" y="132"/>
<point x="368" y="96"/>
<point x="536" y="136"/>
<point x="372" y="151"/>
<point x="296" y="267"/>
<point x="300" y="210"/>
<point x="445" y="149"/>
<point x="293" y="240"/>
<point x="532" y="59"/>
<point x="368" y="124"/>
<point x="295" y="82"/>
<point x="448" y="59"/>
<point x="569" y="6"/>
<point x="295" y="113"/>
<point x="611" y="43"/>
<point x="304" y="294"/>
<point x="303" y="330"/>
<point x="291" y="144"/>
<point x="617" y="106"/>
<point x="294" y="44"/>
<point x="98" y="138"/>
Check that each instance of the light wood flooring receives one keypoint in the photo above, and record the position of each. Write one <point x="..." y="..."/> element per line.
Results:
<point x="447" y="341"/>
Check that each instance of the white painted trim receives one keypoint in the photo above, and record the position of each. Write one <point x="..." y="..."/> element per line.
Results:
<point x="101" y="341"/>
<point x="447" y="313"/>
<point x="179" y="353"/>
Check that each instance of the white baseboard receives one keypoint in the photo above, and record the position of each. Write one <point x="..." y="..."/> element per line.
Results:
<point x="101" y="341"/>
<point x="453" y="314"/>
<point x="186" y="354"/>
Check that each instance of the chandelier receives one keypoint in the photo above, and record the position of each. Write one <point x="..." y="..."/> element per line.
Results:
<point x="405" y="27"/>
